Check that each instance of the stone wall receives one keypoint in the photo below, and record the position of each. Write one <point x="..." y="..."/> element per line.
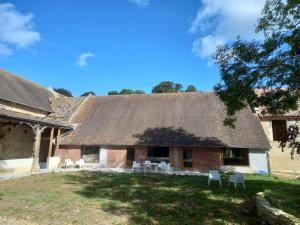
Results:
<point x="273" y="216"/>
<point x="280" y="162"/>
<point x="16" y="142"/>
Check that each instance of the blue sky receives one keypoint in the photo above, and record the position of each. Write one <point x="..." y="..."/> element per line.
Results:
<point x="104" y="45"/>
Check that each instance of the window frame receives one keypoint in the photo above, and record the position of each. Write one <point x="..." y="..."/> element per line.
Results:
<point x="280" y="133"/>
<point x="188" y="161"/>
<point x="233" y="160"/>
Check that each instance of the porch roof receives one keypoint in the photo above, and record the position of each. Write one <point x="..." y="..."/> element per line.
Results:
<point x="20" y="117"/>
<point x="24" y="92"/>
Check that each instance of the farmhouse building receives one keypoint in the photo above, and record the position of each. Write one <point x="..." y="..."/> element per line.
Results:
<point x="40" y="129"/>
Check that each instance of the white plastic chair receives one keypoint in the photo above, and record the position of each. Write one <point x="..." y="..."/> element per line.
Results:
<point x="237" y="178"/>
<point x="69" y="163"/>
<point x="214" y="175"/>
<point x="147" y="166"/>
<point x="163" y="167"/>
<point x="79" y="163"/>
<point x="136" y="167"/>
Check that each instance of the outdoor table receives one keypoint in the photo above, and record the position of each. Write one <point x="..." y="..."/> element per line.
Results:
<point x="155" y="165"/>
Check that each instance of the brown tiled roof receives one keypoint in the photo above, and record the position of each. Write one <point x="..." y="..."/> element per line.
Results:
<point x="24" y="92"/>
<point x="64" y="108"/>
<point x="182" y="119"/>
<point x="20" y="117"/>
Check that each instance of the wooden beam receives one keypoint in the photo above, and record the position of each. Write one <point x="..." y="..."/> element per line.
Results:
<point x="50" y="142"/>
<point x="57" y="142"/>
<point x="37" y="130"/>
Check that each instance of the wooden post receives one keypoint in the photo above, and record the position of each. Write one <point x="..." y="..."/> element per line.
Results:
<point x="37" y="130"/>
<point x="57" y="142"/>
<point x="51" y="142"/>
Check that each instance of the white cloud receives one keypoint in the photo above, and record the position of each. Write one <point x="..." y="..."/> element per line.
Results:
<point x="82" y="60"/>
<point x="221" y="21"/>
<point x="16" y="29"/>
<point x="141" y="3"/>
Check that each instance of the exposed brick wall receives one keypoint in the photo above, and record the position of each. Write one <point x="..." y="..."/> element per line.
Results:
<point x="140" y="153"/>
<point x="66" y="152"/>
<point x="116" y="157"/>
<point x="203" y="159"/>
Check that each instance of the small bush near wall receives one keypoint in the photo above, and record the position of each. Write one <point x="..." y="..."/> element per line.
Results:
<point x="273" y="216"/>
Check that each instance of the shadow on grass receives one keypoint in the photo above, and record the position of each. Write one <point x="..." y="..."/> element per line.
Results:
<point x="157" y="199"/>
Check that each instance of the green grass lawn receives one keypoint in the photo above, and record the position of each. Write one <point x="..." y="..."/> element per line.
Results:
<point x="106" y="198"/>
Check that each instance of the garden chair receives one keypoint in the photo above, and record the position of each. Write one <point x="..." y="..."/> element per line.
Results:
<point x="68" y="163"/>
<point x="237" y="178"/>
<point x="147" y="166"/>
<point x="214" y="175"/>
<point x="163" y="167"/>
<point x="136" y="167"/>
<point x="80" y="163"/>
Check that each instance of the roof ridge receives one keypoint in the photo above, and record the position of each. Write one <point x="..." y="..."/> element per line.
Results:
<point x="159" y="94"/>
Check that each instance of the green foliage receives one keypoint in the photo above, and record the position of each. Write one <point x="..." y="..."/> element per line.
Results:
<point x="271" y="65"/>
<point x="167" y="87"/>
<point x="88" y="93"/>
<point x="63" y="91"/>
<point x="191" y="88"/>
<point x="126" y="92"/>
<point x="112" y="93"/>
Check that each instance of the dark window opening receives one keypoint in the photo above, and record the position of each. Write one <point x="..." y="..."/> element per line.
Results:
<point x="130" y="153"/>
<point x="239" y="157"/>
<point x="187" y="158"/>
<point x="91" y="154"/>
<point x="279" y="129"/>
<point x="130" y="156"/>
<point x="158" y="154"/>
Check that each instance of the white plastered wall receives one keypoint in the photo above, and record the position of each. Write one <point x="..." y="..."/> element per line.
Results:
<point x="14" y="166"/>
<point x="103" y="157"/>
<point x="258" y="160"/>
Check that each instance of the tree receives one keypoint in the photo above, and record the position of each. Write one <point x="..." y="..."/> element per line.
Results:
<point x="272" y="65"/>
<point x="126" y="92"/>
<point x="167" y="87"/>
<point x="191" y="88"/>
<point x="112" y="93"/>
<point x="139" y="92"/>
<point x="88" y="93"/>
<point x="63" y="91"/>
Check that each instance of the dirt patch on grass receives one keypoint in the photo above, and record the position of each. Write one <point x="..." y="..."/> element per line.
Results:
<point x="50" y="199"/>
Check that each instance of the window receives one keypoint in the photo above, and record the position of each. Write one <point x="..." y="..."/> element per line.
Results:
<point x="130" y="153"/>
<point x="187" y="158"/>
<point x="158" y="154"/>
<point x="236" y="157"/>
<point x="279" y="128"/>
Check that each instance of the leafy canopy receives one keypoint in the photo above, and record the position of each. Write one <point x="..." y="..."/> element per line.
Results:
<point x="191" y="88"/>
<point x="167" y="87"/>
<point x="88" y="93"/>
<point x="63" y="91"/>
<point x="271" y="65"/>
<point x="126" y="92"/>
